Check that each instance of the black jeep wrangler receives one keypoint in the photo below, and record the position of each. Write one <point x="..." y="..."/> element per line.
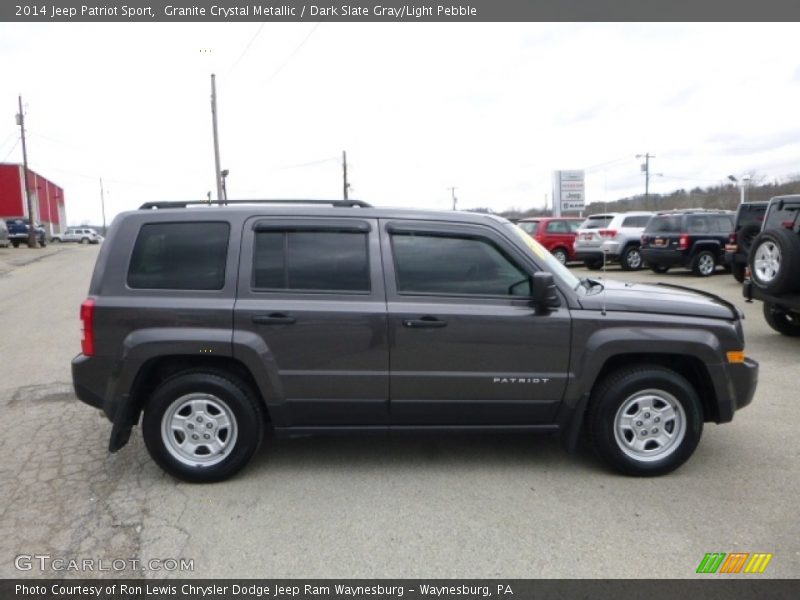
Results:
<point x="774" y="262"/>
<point x="749" y="218"/>
<point x="213" y="325"/>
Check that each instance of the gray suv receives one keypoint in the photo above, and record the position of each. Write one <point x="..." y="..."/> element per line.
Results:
<point x="213" y="325"/>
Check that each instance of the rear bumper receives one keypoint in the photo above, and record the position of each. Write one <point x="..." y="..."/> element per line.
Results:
<point x="751" y="291"/>
<point x="664" y="258"/>
<point x="89" y="379"/>
<point x="589" y="254"/>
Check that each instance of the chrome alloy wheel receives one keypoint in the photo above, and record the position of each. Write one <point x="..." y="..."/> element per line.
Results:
<point x="649" y="425"/>
<point x="199" y="430"/>
<point x="767" y="261"/>
<point x="706" y="264"/>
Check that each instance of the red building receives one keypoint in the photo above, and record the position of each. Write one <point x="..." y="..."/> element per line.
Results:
<point x="47" y="198"/>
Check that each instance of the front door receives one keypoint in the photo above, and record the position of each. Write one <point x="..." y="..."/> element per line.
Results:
<point x="466" y="345"/>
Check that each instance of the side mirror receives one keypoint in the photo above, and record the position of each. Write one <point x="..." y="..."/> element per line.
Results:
<point x="544" y="292"/>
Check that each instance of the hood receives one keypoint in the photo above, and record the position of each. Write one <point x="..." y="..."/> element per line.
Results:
<point x="662" y="298"/>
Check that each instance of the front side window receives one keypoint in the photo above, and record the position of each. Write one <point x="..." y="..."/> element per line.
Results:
<point x="311" y="261"/>
<point x="450" y="265"/>
<point x="180" y="256"/>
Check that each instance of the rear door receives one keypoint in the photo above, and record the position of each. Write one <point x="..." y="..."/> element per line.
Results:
<point x="312" y="290"/>
<point x="467" y="348"/>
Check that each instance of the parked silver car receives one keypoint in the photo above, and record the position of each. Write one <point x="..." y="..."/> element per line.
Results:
<point x="615" y="237"/>
<point x="4" y="241"/>
<point x="83" y="235"/>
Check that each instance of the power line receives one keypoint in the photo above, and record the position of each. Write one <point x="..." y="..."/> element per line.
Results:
<point x="12" y="150"/>
<point x="295" y="51"/>
<point x="246" y="48"/>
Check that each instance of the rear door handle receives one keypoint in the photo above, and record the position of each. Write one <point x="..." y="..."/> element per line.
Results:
<point x="273" y="319"/>
<point x="424" y="322"/>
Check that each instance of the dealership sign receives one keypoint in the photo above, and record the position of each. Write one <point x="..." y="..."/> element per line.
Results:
<point x="568" y="191"/>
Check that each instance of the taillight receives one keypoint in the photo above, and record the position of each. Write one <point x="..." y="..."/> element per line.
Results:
<point x="732" y="238"/>
<point x="644" y="239"/>
<point x="683" y="242"/>
<point x="87" y="322"/>
<point x="607" y="233"/>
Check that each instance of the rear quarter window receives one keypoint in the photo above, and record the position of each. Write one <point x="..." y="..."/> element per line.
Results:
<point x="180" y="256"/>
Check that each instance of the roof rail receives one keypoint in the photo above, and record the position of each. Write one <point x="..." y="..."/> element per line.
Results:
<point x="185" y="203"/>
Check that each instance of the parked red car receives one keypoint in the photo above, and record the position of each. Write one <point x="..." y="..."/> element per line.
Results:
<point x="557" y="234"/>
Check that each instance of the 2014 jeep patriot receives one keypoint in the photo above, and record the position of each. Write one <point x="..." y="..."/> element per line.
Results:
<point x="213" y="324"/>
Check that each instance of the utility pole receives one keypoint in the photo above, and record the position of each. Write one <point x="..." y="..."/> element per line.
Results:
<point x="646" y="169"/>
<point x="453" y="194"/>
<point x="217" y="171"/>
<point x="103" y="205"/>
<point x="31" y="229"/>
<point x="345" y="184"/>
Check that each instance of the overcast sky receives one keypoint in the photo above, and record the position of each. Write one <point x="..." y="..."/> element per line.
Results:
<point x="492" y="109"/>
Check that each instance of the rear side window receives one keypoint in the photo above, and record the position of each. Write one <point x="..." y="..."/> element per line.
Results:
<point x="698" y="224"/>
<point x="558" y="227"/>
<point x="640" y="221"/>
<point x="180" y="256"/>
<point x="311" y="261"/>
<point x="664" y="224"/>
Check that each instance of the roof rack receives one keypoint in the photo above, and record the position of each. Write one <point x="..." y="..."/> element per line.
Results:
<point x="185" y="203"/>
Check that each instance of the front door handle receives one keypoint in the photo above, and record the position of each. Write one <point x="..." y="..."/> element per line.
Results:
<point x="424" y="322"/>
<point x="273" y="319"/>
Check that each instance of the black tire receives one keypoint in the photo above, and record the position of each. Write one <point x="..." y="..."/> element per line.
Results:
<point x="43" y="242"/>
<point x="783" y="321"/>
<point x="746" y="236"/>
<point x="221" y="391"/>
<point x="619" y="389"/>
<point x="660" y="269"/>
<point x="84" y="240"/>
<point x="593" y="264"/>
<point x="738" y="271"/>
<point x="704" y="263"/>
<point x="774" y="261"/>
<point x="55" y="240"/>
<point x="560" y="255"/>
<point x="15" y="244"/>
<point x="631" y="259"/>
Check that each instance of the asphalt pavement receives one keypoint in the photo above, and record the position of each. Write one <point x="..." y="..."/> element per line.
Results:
<point x="411" y="506"/>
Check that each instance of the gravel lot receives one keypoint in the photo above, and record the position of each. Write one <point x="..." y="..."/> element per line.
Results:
<point x="483" y="506"/>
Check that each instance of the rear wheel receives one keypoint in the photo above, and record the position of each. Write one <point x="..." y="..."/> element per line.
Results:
<point x="594" y="264"/>
<point x="561" y="255"/>
<point x="202" y="426"/>
<point x="645" y="420"/>
<point x="704" y="263"/>
<point x="631" y="259"/>
<point x="783" y="321"/>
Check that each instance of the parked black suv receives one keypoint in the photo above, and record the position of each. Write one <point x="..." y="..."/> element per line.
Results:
<point x="774" y="262"/>
<point x="220" y="323"/>
<point x="694" y="239"/>
<point x="749" y="218"/>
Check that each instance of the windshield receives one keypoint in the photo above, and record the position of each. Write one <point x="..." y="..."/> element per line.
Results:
<point x="547" y="260"/>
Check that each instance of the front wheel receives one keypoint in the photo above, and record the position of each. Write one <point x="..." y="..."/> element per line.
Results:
<point x="645" y="420"/>
<point x="781" y="320"/>
<point x="202" y="426"/>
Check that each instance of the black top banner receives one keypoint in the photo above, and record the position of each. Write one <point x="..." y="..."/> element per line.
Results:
<point x="398" y="11"/>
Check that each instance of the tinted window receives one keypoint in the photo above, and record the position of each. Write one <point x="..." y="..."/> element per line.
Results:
<point x="558" y="227"/>
<point x="698" y="224"/>
<point x="180" y="256"/>
<point x="721" y="224"/>
<point x="529" y="226"/>
<point x="596" y="222"/>
<point x="640" y="221"/>
<point x="750" y="214"/>
<point x="782" y="214"/>
<point x="664" y="224"/>
<point x="454" y="265"/>
<point x="311" y="260"/>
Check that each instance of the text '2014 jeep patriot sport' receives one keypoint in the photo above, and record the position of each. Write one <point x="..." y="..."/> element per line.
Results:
<point x="212" y="324"/>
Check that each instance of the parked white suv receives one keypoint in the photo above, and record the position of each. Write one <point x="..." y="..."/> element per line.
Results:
<point x="84" y="235"/>
<point x="615" y="237"/>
